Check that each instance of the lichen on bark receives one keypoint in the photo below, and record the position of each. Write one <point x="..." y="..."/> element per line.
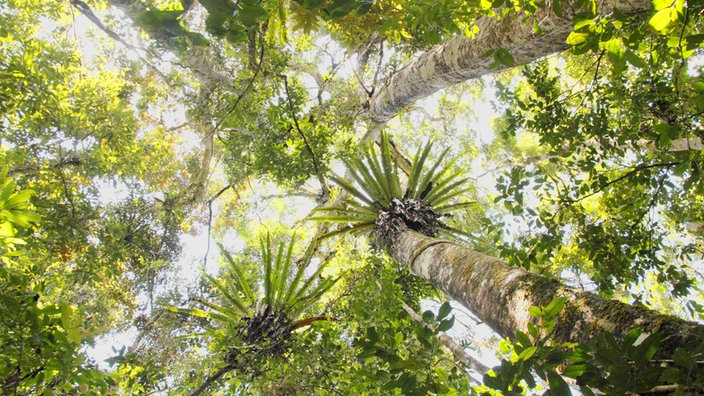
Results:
<point x="500" y="296"/>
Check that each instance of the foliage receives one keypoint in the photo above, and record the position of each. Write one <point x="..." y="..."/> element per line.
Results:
<point x="14" y="212"/>
<point x="621" y="172"/>
<point x="69" y="134"/>
<point x="280" y="139"/>
<point x="391" y="353"/>
<point x="675" y="24"/>
<point x="609" y="366"/>
<point x="41" y="339"/>
<point x="239" y="99"/>
<point x="397" y="359"/>
<point x="254" y="321"/>
<point x="380" y="202"/>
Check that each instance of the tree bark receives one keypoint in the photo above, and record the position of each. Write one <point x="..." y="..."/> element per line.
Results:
<point x="501" y="295"/>
<point x="460" y="58"/>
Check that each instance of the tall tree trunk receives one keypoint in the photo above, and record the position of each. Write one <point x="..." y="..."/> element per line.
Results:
<point x="501" y="295"/>
<point x="460" y="58"/>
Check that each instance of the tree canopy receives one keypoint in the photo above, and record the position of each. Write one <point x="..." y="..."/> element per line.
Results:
<point x="179" y="179"/>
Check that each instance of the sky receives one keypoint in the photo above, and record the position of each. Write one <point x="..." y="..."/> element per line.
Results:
<point x="196" y="244"/>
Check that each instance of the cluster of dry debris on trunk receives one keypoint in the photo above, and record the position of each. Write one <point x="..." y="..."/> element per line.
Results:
<point x="264" y="334"/>
<point x="411" y="213"/>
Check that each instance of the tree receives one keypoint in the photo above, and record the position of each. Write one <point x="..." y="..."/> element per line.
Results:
<point x="399" y="215"/>
<point x="609" y="209"/>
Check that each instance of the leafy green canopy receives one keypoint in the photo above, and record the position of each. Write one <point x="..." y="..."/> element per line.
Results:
<point x="610" y="186"/>
<point x="71" y="134"/>
<point x="14" y="213"/>
<point x="381" y="202"/>
<point x="608" y="366"/>
<point x="277" y="137"/>
<point x="41" y="340"/>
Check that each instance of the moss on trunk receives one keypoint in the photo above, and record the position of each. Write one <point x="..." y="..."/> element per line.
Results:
<point x="501" y="295"/>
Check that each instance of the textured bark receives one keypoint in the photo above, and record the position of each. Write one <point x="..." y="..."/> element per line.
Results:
<point x="694" y="227"/>
<point x="459" y="58"/>
<point x="501" y="295"/>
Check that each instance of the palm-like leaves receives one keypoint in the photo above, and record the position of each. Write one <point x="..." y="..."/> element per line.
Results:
<point x="377" y="191"/>
<point x="263" y="314"/>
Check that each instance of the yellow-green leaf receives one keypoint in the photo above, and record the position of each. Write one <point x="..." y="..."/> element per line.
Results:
<point x="663" y="19"/>
<point x="577" y="38"/>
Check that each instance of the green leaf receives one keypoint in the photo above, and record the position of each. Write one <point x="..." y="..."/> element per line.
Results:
<point x="523" y="339"/>
<point x="444" y="310"/>
<point x="364" y="6"/>
<point x="663" y="20"/>
<point x="661" y="4"/>
<point x="575" y="370"/>
<point x="575" y="38"/>
<point x="398" y="338"/>
<point x="197" y="39"/>
<point x="554" y="307"/>
<point x="217" y="6"/>
<point x="252" y="15"/>
<point x="446" y="324"/>
<point x="535" y="312"/>
<point x="694" y="41"/>
<point x="558" y="386"/>
<point x="502" y="56"/>
<point x="533" y="331"/>
<point x="527" y="353"/>
<point x="557" y="8"/>
<point x="428" y="316"/>
<point x="155" y="20"/>
<point x="409" y="364"/>
<point x="635" y="60"/>
<point x="339" y="8"/>
<point x="488" y="53"/>
<point x="234" y="299"/>
<point x="647" y="349"/>
<point x="367" y="353"/>
<point x="238" y="273"/>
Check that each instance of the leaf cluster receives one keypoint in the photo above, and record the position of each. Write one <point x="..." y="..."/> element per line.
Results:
<point x="41" y="339"/>
<point x="396" y="355"/>
<point x="601" y="168"/>
<point x="260" y="316"/>
<point x="426" y="194"/>
<point x="608" y="366"/>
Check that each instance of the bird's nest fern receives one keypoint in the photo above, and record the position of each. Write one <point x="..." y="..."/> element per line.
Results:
<point x="381" y="204"/>
<point x="252" y="321"/>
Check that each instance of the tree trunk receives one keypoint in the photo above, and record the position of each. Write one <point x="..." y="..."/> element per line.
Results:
<point x="501" y="295"/>
<point x="460" y="58"/>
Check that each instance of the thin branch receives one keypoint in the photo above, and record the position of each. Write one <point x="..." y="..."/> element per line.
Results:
<point x="618" y="179"/>
<point x="316" y="167"/>
<point x="212" y="379"/>
<point x="450" y="344"/>
<point x="88" y="13"/>
<point x="210" y="221"/>
<point x="246" y="89"/>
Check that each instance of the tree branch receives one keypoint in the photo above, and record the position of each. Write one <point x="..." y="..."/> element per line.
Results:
<point x="450" y="344"/>
<point x="316" y="166"/>
<point x="212" y="379"/>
